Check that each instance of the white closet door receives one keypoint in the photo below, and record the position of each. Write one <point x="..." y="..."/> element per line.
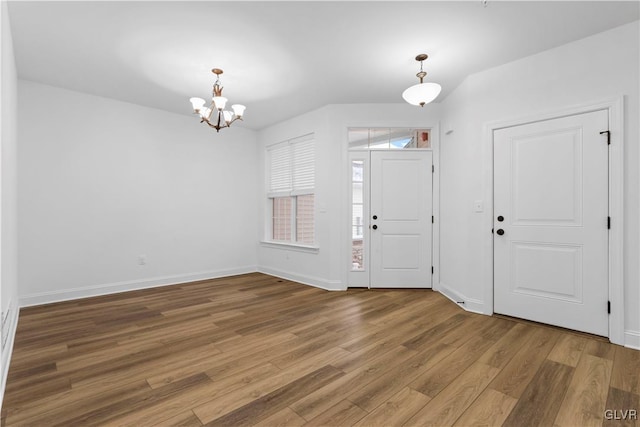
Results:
<point x="550" y="222"/>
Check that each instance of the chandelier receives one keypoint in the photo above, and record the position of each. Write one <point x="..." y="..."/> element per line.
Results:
<point x="215" y="115"/>
<point x="422" y="93"/>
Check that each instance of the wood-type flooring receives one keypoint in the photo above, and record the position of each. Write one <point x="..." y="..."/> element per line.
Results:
<point x="258" y="350"/>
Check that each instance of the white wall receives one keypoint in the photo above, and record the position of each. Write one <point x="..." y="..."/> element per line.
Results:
<point x="8" y="188"/>
<point x="596" y="68"/>
<point x="311" y="267"/>
<point x="103" y="182"/>
<point x="327" y="268"/>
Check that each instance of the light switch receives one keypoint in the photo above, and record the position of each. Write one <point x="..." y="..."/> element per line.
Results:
<point x="477" y="206"/>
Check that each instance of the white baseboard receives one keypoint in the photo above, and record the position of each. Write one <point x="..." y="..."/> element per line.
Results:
<point x="468" y="304"/>
<point x="7" y="351"/>
<point x="317" y="282"/>
<point x="632" y="339"/>
<point x="131" y="285"/>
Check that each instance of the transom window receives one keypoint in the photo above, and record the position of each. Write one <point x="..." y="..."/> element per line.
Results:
<point x="389" y="138"/>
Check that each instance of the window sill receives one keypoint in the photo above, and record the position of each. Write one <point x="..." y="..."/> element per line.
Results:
<point x="290" y="246"/>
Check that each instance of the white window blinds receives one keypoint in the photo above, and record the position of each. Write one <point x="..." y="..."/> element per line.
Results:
<point x="280" y="169"/>
<point x="303" y="166"/>
<point x="292" y="167"/>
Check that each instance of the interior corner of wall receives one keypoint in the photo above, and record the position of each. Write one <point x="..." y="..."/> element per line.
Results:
<point x="316" y="282"/>
<point x="468" y="304"/>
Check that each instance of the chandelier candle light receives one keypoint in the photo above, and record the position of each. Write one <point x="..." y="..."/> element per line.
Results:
<point x="215" y="115"/>
<point x="422" y="93"/>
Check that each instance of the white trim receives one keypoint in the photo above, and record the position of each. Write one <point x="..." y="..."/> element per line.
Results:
<point x="616" y="211"/>
<point x="632" y="339"/>
<point x="290" y="246"/>
<point x="615" y="108"/>
<point x="130" y="285"/>
<point x="276" y="194"/>
<point x="302" y="192"/>
<point x="468" y="304"/>
<point x="8" y="349"/>
<point x="435" y="206"/>
<point x="316" y="282"/>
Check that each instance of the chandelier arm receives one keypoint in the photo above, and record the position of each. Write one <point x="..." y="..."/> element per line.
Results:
<point x="218" y="126"/>
<point x="234" y="119"/>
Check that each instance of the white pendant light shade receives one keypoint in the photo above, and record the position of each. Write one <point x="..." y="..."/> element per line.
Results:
<point x="227" y="116"/>
<point x="238" y="109"/>
<point x="220" y="102"/>
<point x="197" y="103"/>
<point x="205" y="113"/>
<point x="422" y="93"/>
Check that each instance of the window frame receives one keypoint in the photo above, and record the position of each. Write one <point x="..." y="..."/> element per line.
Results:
<point x="276" y="187"/>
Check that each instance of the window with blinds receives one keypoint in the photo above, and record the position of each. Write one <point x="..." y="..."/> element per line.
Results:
<point x="290" y="194"/>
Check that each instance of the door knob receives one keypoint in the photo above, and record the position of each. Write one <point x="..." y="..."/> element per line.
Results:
<point x="375" y="217"/>
<point x="500" y="231"/>
<point x="500" y="218"/>
<point x="375" y="227"/>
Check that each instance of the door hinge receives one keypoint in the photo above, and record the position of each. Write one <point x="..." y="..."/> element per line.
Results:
<point x="433" y="220"/>
<point x="608" y="223"/>
<point x="608" y="136"/>
<point x="433" y="168"/>
<point x="432" y="269"/>
<point x="608" y="307"/>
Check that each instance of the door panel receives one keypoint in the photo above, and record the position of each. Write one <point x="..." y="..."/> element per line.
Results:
<point x="551" y="188"/>
<point x="401" y="251"/>
<point x="400" y="193"/>
<point x="546" y="175"/>
<point x="560" y="280"/>
<point x="401" y="188"/>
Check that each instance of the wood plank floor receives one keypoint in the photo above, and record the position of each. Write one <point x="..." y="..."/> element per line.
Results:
<point x="258" y="350"/>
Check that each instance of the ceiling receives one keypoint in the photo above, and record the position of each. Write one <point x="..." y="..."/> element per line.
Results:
<point x="282" y="59"/>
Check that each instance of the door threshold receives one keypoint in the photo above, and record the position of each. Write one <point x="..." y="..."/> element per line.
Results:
<point x="557" y="328"/>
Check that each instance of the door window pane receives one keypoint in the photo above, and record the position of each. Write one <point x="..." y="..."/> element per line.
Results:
<point x="357" y="215"/>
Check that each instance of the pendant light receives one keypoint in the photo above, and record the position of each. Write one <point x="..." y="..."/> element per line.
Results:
<point x="422" y="93"/>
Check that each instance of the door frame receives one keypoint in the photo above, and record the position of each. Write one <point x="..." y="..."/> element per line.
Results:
<point x="434" y="127"/>
<point x="615" y="111"/>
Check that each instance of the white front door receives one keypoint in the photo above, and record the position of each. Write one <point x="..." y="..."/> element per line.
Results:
<point x="400" y="219"/>
<point x="550" y="222"/>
